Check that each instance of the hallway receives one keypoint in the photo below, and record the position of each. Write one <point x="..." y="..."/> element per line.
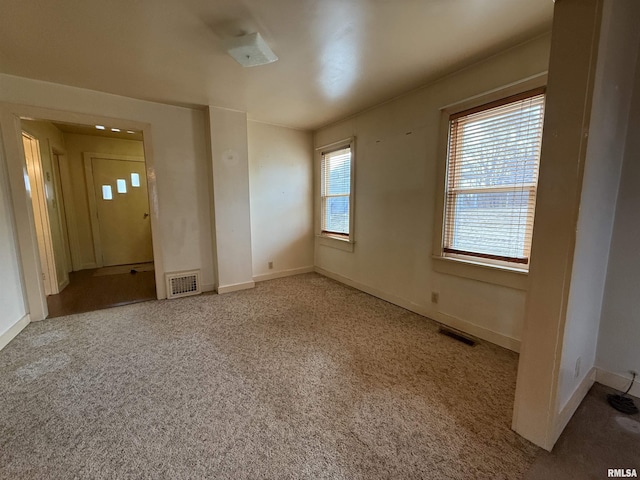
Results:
<point x="90" y="290"/>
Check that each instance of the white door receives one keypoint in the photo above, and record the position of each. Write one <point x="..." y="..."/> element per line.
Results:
<point x="40" y="212"/>
<point x="55" y="207"/>
<point x="123" y="211"/>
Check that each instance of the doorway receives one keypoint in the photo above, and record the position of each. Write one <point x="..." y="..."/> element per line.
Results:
<point x="119" y="203"/>
<point x="91" y="213"/>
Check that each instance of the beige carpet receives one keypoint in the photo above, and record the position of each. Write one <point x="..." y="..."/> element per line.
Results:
<point x="300" y="377"/>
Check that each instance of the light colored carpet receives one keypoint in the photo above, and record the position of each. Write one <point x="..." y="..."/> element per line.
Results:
<point x="301" y="377"/>
<point x="120" y="269"/>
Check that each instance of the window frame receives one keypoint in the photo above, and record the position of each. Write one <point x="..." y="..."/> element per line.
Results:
<point x="477" y="268"/>
<point x="336" y="240"/>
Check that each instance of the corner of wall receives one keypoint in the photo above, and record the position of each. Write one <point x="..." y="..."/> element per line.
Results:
<point x="14" y="330"/>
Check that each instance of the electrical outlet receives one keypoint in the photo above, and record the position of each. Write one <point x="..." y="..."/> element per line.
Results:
<point x="270" y="265"/>
<point x="435" y="297"/>
<point x="577" y="370"/>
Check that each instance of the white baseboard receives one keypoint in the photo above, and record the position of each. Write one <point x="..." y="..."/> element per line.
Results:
<point x="448" y="320"/>
<point x="282" y="273"/>
<point x="14" y="330"/>
<point x="235" y="287"/>
<point x="88" y="266"/>
<point x="617" y="381"/>
<point x="208" y="288"/>
<point x="573" y="403"/>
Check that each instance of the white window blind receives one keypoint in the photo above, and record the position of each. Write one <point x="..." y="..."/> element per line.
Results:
<point x="336" y="191"/>
<point x="492" y="176"/>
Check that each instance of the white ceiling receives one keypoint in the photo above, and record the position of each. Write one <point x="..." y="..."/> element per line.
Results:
<point x="336" y="56"/>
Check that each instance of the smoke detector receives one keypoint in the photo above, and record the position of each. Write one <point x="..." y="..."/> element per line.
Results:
<point x="250" y="50"/>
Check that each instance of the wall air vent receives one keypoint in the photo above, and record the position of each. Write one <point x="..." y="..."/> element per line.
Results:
<point x="183" y="284"/>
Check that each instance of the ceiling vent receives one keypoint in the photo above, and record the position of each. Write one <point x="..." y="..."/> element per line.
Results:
<point x="250" y="50"/>
<point x="183" y="284"/>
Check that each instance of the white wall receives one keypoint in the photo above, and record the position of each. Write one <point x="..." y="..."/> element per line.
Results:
<point x="397" y="148"/>
<point x="81" y="234"/>
<point x="230" y="169"/>
<point x="619" y="340"/>
<point x="281" y="190"/>
<point x="12" y="301"/>
<point x="180" y="156"/>
<point x="613" y="87"/>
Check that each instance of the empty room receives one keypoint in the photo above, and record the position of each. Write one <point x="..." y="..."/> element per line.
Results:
<point x="342" y="239"/>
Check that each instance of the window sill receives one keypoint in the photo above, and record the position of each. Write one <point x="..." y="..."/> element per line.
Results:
<point x="505" y="276"/>
<point x="336" y="242"/>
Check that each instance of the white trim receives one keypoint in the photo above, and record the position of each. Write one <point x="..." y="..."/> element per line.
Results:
<point x="14" y="330"/>
<point x="333" y="242"/>
<point x="489" y="271"/>
<point x="573" y="403"/>
<point x="70" y="213"/>
<point x="27" y="241"/>
<point x="336" y="145"/>
<point x="53" y="261"/>
<point x="6" y="196"/>
<point x="448" y="320"/>
<point x="617" y="381"/>
<point x="235" y="287"/>
<point x="349" y="142"/>
<point x="56" y="156"/>
<point x="482" y="272"/>
<point x="282" y="273"/>
<point x="42" y="221"/>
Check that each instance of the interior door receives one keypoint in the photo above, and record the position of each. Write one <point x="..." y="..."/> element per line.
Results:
<point x="40" y="212"/>
<point x="55" y="207"/>
<point x="123" y="211"/>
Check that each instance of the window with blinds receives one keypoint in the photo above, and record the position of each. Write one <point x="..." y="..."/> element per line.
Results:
<point x="335" y="191"/>
<point x="492" y="176"/>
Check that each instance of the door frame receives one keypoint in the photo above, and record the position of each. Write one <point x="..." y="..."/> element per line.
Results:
<point x="13" y="157"/>
<point x="41" y="217"/>
<point x="58" y="158"/>
<point x="91" y="196"/>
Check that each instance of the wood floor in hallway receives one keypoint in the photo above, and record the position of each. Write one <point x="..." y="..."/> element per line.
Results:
<point x="87" y="292"/>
